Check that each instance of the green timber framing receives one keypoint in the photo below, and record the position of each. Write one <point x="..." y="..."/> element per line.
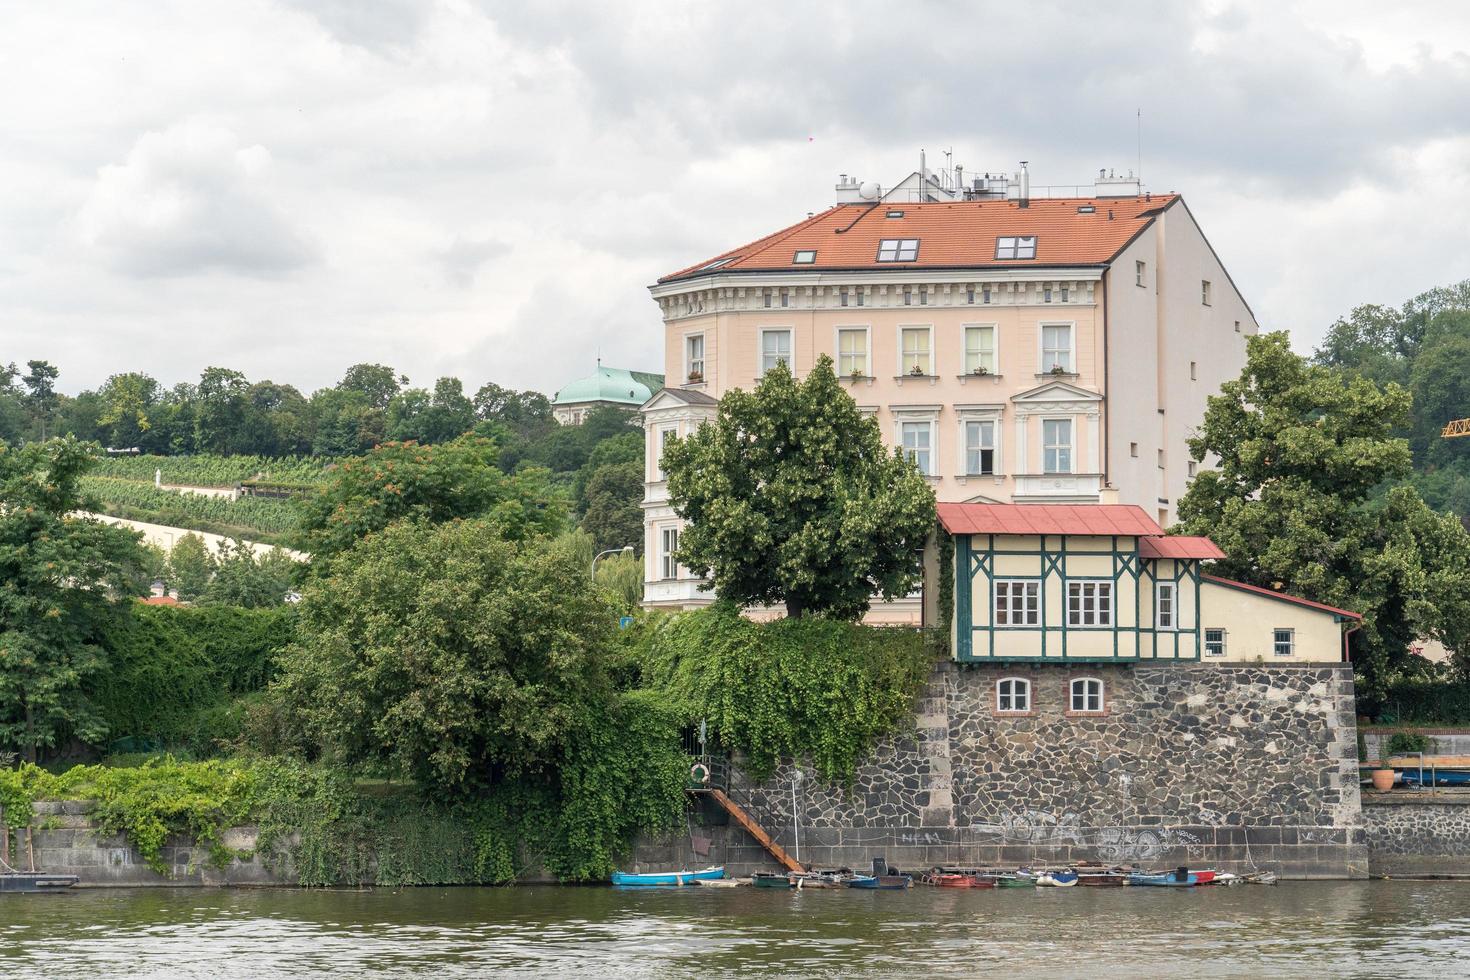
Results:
<point x="971" y="561"/>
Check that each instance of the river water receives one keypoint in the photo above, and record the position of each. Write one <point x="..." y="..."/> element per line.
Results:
<point x="1327" y="929"/>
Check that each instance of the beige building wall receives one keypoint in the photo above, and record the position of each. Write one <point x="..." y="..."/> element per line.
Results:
<point x="1250" y="620"/>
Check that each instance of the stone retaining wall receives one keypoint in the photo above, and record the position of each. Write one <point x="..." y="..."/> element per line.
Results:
<point x="1232" y="766"/>
<point x="65" y="841"/>
<point x="1418" y="833"/>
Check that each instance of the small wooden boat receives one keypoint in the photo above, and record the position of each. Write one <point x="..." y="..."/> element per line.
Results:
<point x="819" y="879"/>
<point x="770" y="879"/>
<point x="1181" y="878"/>
<point x="1226" y="878"/>
<point x="954" y="879"/>
<point x="1018" y="879"/>
<point x="1102" y="879"/>
<point x="656" y="878"/>
<point x="1262" y="878"/>
<point x="1056" y="879"/>
<point x="35" y="881"/>
<point x="883" y="882"/>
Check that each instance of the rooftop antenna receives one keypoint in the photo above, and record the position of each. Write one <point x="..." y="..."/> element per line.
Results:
<point x="1140" y="146"/>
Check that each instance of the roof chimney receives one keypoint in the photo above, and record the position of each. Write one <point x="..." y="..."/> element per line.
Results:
<point x="1025" y="201"/>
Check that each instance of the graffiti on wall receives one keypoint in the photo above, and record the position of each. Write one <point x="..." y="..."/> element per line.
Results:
<point x="1118" y="844"/>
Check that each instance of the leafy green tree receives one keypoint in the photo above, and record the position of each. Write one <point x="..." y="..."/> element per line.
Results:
<point x="450" y="654"/>
<point x="427" y="417"/>
<point x="13" y="421"/>
<point x="792" y="497"/>
<point x="220" y="410"/>
<point x="434" y="484"/>
<point x="614" y="514"/>
<point x="1298" y="451"/>
<point x="41" y="398"/>
<point x="59" y="574"/>
<point x="626" y="447"/>
<point x="190" y="567"/>
<point x="127" y="401"/>
<point x="244" y="578"/>
<point x="378" y="383"/>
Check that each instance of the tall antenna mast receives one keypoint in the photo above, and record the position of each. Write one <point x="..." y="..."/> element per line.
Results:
<point x="1140" y="146"/>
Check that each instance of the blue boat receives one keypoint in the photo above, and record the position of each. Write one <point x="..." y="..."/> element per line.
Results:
<point x="884" y="882"/>
<point x="1434" y="777"/>
<point x="1169" y="879"/>
<point x="653" y="878"/>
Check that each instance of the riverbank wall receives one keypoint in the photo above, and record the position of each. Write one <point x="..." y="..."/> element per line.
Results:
<point x="1418" y="833"/>
<point x="1238" y="767"/>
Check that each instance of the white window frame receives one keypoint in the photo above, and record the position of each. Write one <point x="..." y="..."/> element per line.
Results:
<point x="665" y="432"/>
<point x="978" y="469"/>
<point x="689" y="362"/>
<point x="867" y="333"/>
<point x="810" y="253"/>
<point x="1276" y="641"/>
<point x="1140" y="272"/>
<point x="1085" y="686"/>
<point x="1041" y="349"/>
<point x="1070" y="445"/>
<point x="1209" y="643"/>
<point x="928" y="329"/>
<point x="1204" y="292"/>
<point x="1009" y="248"/>
<point x="898" y="250"/>
<point x="1027" y="601"/>
<point x="1094" y="606"/>
<point x="1013" y="696"/>
<point x="668" y="562"/>
<point x="931" y="451"/>
<point x="1171" y="621"/>
<point x="760" y="351"/>
<point x="994" y="366"/>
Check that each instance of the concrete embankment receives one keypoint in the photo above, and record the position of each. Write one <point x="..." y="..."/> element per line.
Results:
<point x="1418" y="833"/>
<point x="165" y="536"/>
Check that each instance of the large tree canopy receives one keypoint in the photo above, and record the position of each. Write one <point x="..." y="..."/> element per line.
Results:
<point x="59" y="574"/>
<point x="792" y="498"/>
<point x="1298" y="451"/>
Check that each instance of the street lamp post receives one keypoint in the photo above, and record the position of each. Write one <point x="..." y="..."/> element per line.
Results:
<point x="626" y="549"/>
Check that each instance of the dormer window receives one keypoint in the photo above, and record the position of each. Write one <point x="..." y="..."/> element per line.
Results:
<point x="718" y="263"/>
<point x="898" y="250"/>
<point x="895" y="214"/>
<point x="804" y="256"/>
<point x="1016" y="247"/>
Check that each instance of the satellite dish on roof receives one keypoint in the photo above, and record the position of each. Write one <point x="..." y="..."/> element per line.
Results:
<point x="869" y="190"/>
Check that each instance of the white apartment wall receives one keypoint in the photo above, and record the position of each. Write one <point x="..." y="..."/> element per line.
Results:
<point x="1132" y="380"/>
<point x="1193" y="334"/>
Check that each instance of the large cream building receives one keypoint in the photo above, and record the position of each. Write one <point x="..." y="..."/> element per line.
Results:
<point x="1020" y="348"/>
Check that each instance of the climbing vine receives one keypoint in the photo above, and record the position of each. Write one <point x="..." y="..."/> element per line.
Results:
<point x="816" y="689"/>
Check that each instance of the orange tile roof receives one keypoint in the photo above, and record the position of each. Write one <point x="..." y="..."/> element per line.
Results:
<point x="960" y="234"/>
<point x="1179" y="546"/>
<point x="1105" y="519"/>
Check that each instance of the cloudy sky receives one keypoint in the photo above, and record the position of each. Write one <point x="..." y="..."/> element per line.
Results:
<point x="486" y="189"/>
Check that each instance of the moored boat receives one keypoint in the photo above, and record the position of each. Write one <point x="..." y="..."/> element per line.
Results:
<point x="819" y="879"/>
<point x="1102" y="879"/>
<point x="655" y="878"/>
<point x="1056" y="879"/>
<point x="771" y="879"/>
<point x="1180" y="878"/>
<point x="882" y="882"/>
<point x="36" y="881"/>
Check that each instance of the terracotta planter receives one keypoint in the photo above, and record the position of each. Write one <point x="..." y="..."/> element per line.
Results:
<point x="1383" y="780"/>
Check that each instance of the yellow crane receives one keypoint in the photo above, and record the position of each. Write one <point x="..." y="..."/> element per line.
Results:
<point x="1455" y="428"/>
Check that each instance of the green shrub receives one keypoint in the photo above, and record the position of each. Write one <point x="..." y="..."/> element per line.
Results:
<point x="1427" y="702"/>
<point x="1407" y="743"/>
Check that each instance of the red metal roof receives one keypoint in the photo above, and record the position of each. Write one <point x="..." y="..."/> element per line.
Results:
<point x="1296" y="600"/>
<point x="958" y="234"/>
<point x="1178" y="547"/>
<point x="1106" y="519"/>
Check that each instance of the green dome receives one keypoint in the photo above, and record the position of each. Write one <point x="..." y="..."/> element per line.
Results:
<point x="614" y="385"/>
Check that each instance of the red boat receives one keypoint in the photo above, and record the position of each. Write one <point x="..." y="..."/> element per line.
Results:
<point x="956" y="880"/>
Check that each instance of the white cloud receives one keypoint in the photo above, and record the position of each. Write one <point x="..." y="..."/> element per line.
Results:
<point x="189" y="200"/>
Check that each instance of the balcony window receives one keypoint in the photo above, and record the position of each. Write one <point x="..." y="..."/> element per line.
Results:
<point x="775" y="349"/>
<point x="1056" y="445"/>
<point x="915" y="351"/>
<point x="1012" y="694"/>
<point x="1016" y="247"/>
<point x="917" y="443"/>
<point x="1089" y="603"/>
<point x="852" y="351"/>
<point x="898" y="250"/>
<point x="1056" y="348"/>
<point x="979" y="448"/>
<point x="1017" y="602"/>
<point x="694" y="357"/>
<point x="1087" y="695"/>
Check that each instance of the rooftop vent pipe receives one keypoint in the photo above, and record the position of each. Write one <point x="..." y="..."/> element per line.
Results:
<point x="1025" y="201"/>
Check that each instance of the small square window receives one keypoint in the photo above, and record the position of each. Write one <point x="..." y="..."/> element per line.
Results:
<point x="785" y="297"/>
<point x="1139" y="269"/>
<point x="1066" y="292"/>
<point x="805" y="256"/>
<point x="842" y="297"/>
<point x="1283" y="642"/>
<point x="1046" y="294"/>
<point x="1087" y="694"/>
<point x="923" y="295"/>
<point x="908" y="296"/>
<point x="1193" y="371"/>
<point x="1133" y="449"/>
<point x="1192" y="465"/>
<point x="1214" y="643"/>
<point x="1012" y="695"/>
<point x="898" y="250"/>
<point x="970" y="295"/>
<point x="985" y="294"/>
<point x="1237" y="326"/>
<point x="766" y="295"/>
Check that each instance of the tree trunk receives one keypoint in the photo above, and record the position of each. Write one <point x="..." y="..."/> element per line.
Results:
<point x="795" y="606"/>
<point x="30" y="736"/>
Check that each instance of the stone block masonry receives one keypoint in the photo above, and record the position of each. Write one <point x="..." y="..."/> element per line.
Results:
<point x="1412" y="834"/>
<point x="1238" y="767"/>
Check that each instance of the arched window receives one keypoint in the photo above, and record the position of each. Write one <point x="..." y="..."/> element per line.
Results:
<point x="1012" y="694"/>
<point x="1087" y="694"/>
